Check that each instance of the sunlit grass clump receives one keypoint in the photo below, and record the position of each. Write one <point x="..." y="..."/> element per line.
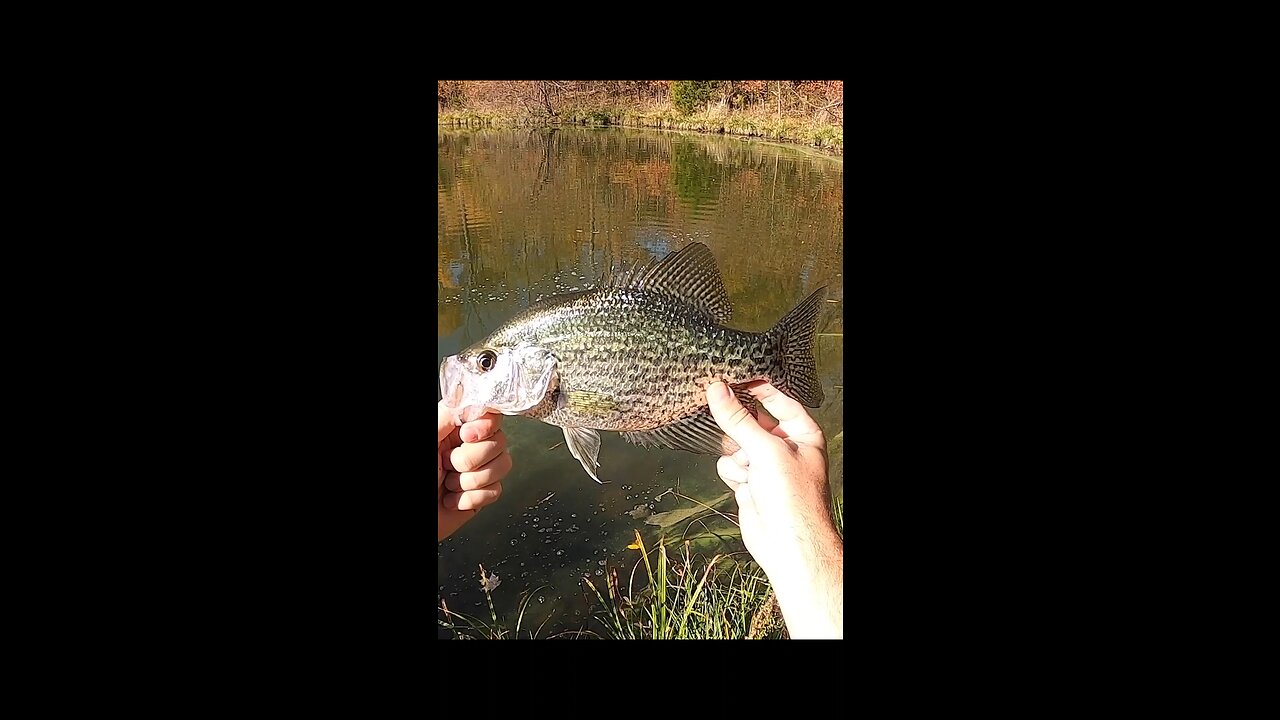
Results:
<point x="687" y="597"/>
<point x="678" y="594"/>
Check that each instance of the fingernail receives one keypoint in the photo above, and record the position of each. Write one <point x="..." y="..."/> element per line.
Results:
<point x="718" y="391"/>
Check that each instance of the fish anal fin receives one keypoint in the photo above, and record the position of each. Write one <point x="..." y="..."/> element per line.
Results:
<point x="748" y="401"/>
<point x="689" y="274"/>
<point x="697" y="433"/>
<point x="584" y="444"/>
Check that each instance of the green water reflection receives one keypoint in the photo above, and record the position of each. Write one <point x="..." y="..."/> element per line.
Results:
<point x="528" y="213"/>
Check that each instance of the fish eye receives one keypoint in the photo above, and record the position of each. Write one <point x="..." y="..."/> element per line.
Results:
<point x="487" y="359"/>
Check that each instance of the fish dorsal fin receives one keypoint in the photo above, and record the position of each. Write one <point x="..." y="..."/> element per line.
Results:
<point x="689" y="274"/>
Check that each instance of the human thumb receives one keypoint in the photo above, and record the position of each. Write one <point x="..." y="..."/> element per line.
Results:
<point x="733" y="418"/>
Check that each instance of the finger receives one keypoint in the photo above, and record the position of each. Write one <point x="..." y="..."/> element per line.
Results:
<point x="481" y="429"/>
<point x="792" y="416"/>
<point x="731" y="472"/>
<point x="741" y="459"/>
<point x="732" y="418"/>
<point x="473" y="456"/>
<point x="472" y="499"/>
<point x="474" y="480"/>
<point x="767" y="422"/>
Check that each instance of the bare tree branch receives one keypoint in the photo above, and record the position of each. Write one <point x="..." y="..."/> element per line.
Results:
<point x="835" y="103"/>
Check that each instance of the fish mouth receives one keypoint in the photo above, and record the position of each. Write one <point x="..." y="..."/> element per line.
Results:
<point x="469" y="413"/>
<point x="451" y="374"/>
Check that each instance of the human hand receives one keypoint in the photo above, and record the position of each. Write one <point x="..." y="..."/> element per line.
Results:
<point x="779" y="478"/>
<point x="470" y="465"/>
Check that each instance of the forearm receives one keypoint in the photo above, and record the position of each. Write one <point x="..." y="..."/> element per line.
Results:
<point x="811" y="591"/>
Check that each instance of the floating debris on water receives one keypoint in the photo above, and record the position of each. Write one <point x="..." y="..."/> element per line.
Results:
<point x="490" y="583"/>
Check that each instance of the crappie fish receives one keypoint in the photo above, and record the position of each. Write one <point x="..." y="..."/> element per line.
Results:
<point x="634" y="356"/>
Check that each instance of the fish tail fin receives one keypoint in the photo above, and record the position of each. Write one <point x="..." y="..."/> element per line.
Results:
<point x="795" y="335"/>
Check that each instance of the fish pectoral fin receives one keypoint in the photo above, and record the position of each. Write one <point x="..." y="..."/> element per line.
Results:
<point x="585" y="402"/>
<point x="584" y="443"/>
<point x="697" y="433"/>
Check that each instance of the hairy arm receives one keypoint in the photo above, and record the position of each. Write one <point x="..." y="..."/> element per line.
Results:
<point x="810" y="588"/>
<point x="779" y="478"/>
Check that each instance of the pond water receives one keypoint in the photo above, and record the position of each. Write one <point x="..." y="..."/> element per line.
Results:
<point x="530" y="213"/>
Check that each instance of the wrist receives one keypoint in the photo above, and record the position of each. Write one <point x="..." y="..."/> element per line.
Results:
<point x="810" y="590"/>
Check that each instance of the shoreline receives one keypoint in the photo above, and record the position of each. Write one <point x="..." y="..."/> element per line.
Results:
<point x="805" y="133"/>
